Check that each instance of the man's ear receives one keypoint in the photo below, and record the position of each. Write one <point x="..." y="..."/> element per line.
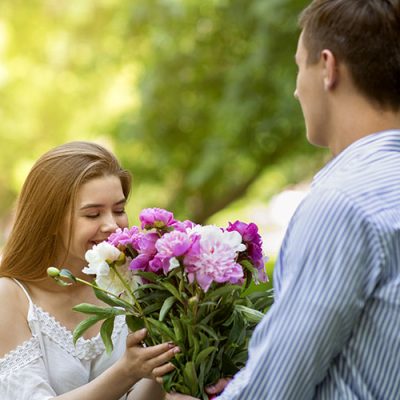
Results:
<point x="330" y="69"/>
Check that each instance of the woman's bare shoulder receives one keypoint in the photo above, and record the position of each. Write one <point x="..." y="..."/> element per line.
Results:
<point x="14" y="329"/>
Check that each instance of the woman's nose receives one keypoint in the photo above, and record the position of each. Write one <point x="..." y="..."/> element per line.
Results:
<point x="109" y="224"/>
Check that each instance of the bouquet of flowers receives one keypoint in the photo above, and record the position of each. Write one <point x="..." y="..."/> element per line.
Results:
<point x="185" y="283"/>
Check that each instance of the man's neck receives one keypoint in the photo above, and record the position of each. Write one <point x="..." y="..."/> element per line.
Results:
<point x="358" y="120"/>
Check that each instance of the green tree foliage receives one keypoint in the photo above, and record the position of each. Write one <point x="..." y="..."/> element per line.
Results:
<point x="195" y="96"/>
<point x="216" y="99"/>
<point x="63" y="76"/>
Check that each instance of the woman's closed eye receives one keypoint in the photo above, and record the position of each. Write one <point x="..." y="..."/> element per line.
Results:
<point x="119" y="211"/>
<point x="92" y="216"/>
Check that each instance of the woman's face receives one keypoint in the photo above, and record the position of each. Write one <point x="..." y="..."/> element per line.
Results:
<point x="99" y="211"/>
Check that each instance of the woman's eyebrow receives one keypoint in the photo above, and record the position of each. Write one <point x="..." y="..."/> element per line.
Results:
<point x="96" y="205"/>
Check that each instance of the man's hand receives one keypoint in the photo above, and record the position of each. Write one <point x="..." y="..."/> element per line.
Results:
<point x="213" y="390"/>
<point x="217" y="388"/>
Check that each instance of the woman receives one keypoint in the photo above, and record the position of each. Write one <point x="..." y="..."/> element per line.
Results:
<point x="73" y="198"/>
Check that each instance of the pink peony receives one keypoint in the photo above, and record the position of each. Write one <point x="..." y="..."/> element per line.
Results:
<point x="183" y="226"/>
<point x="123" y="237"/>
<point x="214" y="258"/>
<point x="171" y="245"/>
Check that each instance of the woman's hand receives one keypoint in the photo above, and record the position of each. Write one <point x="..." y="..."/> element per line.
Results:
<point x="147" y="362"/>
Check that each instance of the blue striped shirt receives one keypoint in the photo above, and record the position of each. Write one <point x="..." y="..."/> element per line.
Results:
<point x="334" y="329"/>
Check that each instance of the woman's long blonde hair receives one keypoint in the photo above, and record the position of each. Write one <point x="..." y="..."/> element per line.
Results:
<point x="47" y="195"/>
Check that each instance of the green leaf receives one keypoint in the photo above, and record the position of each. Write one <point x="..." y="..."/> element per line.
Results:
<point x="157" y="295"/>
<point x="148" y="286"/>
<point x="134" y="323"/>
<point x="65" y="273"/>
<point x="210" y="316"/>
<point x="84" y="325"/>
<point x="211" y="332"/>
<point x="250" y="314"/>
<point x="110" y="300"/>
<point x="190" y="376"/>
<point x="204" y="354"/>
<point x="162" y="328"/>
<point x="168" y="380"/>
<point x="262" y="300"/>
<point x="222" y="291"/>
<point x="92" y="309"/>
<point x="249" y="266"/>
<point x="106" y="331"/>
<point x="238" y="328"/>
<point x="208" y="303"/>
<point x="168" y="303"/>
<point x="228" y="367"/>
<point x="62" y="283"/>
<point x="240" y="358"/>
<point x="195" y="348"/>
<point x="178" y="331"/>
<point x="204" y="340"/>
<point x="150" y="276"/>
<point x="172" y="289"/>
<point x="151" y="308"/>
<point x="181" y="388"/>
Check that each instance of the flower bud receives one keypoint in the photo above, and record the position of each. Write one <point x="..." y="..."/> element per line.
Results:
<point x="194" y="300"/>
<point x="53" y="272"/>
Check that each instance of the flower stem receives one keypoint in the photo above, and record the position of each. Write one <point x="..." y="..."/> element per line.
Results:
<point x="133" y="298"/>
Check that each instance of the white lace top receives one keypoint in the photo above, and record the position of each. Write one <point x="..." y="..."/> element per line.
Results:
<point x="48" y="364"/>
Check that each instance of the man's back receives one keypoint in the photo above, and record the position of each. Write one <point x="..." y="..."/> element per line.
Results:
<point x="367" y="175"/>
<point x="333" y="332"/>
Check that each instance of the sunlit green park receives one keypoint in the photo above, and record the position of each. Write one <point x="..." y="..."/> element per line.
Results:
<point x="194" y="96"/>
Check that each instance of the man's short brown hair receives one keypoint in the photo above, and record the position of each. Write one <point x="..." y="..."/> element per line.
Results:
<point x="364" y="35"/>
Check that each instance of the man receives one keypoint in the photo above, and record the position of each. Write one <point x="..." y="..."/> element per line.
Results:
<point x="334" y="329"/>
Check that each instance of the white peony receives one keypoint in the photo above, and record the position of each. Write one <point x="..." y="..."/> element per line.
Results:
<point x="112" y="283"/>
<point x="97" y="258"/>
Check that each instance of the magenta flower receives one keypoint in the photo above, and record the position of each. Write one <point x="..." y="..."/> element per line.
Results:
<point x="156" y="218"/>
<point x="253" y="242"/>
<point x="145" y="245"/>
<point x="141" y="262"/>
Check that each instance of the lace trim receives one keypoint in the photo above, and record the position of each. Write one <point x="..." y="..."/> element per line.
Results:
<point x="85" y="349"/>
<point x="21" y="356"/>
<point x="235" y="387"/>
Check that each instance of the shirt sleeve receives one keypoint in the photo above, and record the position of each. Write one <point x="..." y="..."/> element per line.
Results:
<point x="328" y="266"/>
<point x="23" y="374"/>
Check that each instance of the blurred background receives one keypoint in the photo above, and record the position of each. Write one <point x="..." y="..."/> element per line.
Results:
<point x="194" y="96"/>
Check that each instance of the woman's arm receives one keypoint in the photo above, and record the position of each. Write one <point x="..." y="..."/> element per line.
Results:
<point x="138" y="362"/>
<point x="147" y="389"/>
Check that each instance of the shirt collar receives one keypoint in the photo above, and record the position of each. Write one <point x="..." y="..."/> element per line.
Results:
<point x="390" y="140"/>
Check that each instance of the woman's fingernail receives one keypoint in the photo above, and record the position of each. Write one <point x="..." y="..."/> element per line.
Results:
<point x="177" y="349"/>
